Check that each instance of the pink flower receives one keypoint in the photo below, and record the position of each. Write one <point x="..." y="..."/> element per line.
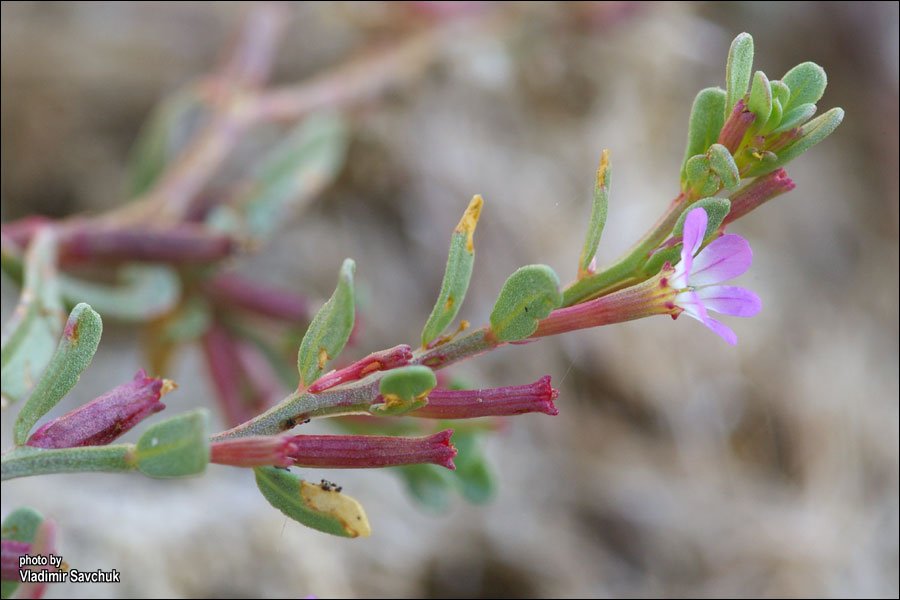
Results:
<point x="695" y="279"/>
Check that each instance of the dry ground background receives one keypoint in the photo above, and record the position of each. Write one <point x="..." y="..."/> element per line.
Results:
<point x="679" y="466"/>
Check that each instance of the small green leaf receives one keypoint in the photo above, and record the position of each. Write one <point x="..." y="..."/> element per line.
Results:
<point x="716" y="211"/>
<point x="707" y="118"/>
<point x="163" y="136"/>
<point x="21" y="525"/>
<point x="738" y="70"/>
<point x="760" y="102"/>
<point x="73" y="354"/>
<point x="780" y="91"/>
<point x="404" y="389"/>
<point x="430" y="485"/>
<point x="699" y="177"/>
<point x="598" y="215"/>
<point x="329" y="330"/>
<point x="812" y="133"/>
<point x="31" y="334"/>
<point x="328" y="511"/>
<point x="457" y="274"/>
<point x="530" y="294"/>
<point x="806" y="82"/>
<point x="144" y="292"/>
<point x="176" y="447"/>
<point x="774" y="118"/>
<point x="295" y="171"/>
<point x="795" y="117"/>
<point x="722" y="164"/>
<point x="473" y="476"/>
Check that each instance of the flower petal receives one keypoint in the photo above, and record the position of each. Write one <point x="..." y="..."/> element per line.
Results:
<point x="724" y="258"/>
<point x="722" y="330"/>
<point x="692" y="305"/>
<point x="694" y="230"/>
<point x="730" y="300"/>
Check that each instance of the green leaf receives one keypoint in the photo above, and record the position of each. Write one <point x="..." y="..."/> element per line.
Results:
<point x="760" y="102"/>
<point x="163" y="136"/>
<point x="329" y="511"/>
<point x="795" y="117"/>
<point x="780" y="91"/>
<point x="21" y="525"/>
<point x="31" y="334"/>
<point x="144" y="292"/>
<point x="598" y="215"/>
<point x="774" y="118"/>
<point x="430" y="485"/>
<point x="329" y="330"/>
<point x="295" y="171"/>
<point x="699" y="177"/>
<point x="707" y="118"/>
<point x="530" y="294"/>
<point x="457" y="274"/>
<point x="473" y="476"/>
<point x="176" y="447"/>
<point x="404" y="389"/>
<point x="73" y="354"/>
<point x="738" y="70"/>
<point x="812" y="133"/>
<point x="806" y="83"/>
<point x="722" y="164"/>
<point x="716" y="211"/>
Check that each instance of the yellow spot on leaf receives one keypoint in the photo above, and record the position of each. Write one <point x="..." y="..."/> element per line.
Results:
<point x="345" y="509"/>
<point x="470" y="220"/>
<point x="601" y="170"/>
<point x="323" y="357"/>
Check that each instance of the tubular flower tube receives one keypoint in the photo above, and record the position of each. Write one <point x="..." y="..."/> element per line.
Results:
<point x="398" y="356"/>
<point x="739" y="121"/>
<point x="690" y="287"/>
<point x="104" y="419"/>
<point x="496" y="402"/>
<point x="255" y="451"/>
<point x="363" y="451"/>
<point x="757" y="192"/>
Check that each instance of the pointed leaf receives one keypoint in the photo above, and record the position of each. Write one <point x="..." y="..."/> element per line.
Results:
<point x="73" y="354"/>
<point x="457" y="274"/>
<point x="738" y="70"/>
<point x="329" y="330"/>
<point x="598" y="215"/>
<point x="31" y="334"/>
<point x="530" y="294"/>
<point x="329" y="511"/>
<point x="176" y="447"/>
<point x="707" y="117"/>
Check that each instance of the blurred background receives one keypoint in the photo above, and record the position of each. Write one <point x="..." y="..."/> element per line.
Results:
<point x="678" y="466"/>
